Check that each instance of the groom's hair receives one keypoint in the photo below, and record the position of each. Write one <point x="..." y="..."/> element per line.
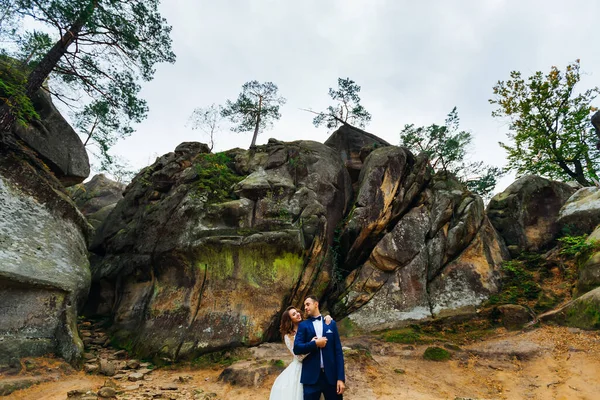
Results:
<point x="312" y="297"/>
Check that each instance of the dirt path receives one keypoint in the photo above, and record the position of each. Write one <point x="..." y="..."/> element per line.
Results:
<point x="549" y="363"/>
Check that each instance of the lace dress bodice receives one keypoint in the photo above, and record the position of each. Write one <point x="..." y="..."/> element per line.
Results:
<point x="289" y="342"/>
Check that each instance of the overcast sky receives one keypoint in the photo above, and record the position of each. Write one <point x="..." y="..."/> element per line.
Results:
<point x="415" y="61"/>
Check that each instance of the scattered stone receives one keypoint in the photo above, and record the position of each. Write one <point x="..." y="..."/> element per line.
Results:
<point x="184" y="378"/>
<point x="120" y="354"/>
<point x="400" y="371"/>
<point x="80" y="392"/>
<point x="168" y="387"/>
<point x="107" y="367"/>
<point x="120" y="376"/>
<point x="514" y="316"/>
<point x="133" y="364"/>
<point x="136" y="376"/>
<point x="89" y="356"/>
<point x="131" y="387"/>
<point x="107" y="392"/>
<point x="452" y="346"/>
<point x="90" y="368"/>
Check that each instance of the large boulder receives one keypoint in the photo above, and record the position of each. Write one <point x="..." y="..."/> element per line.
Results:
<point x="414" y="247"/>
<point x="581" y="213"/>
<point x="589" y="270"/>
<point x="187" y="265"/>
<point x="583" y="312"/>
<point x="525" y="213"/>
<point x="44" y="269"/>
<point x="97" y="197"/>
<point x="354" y="145"/>
<point x="55" y="141"/>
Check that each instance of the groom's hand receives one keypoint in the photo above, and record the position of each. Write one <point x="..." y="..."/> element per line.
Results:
<point x="321" y="342"/>
<point x="341" y="386"/>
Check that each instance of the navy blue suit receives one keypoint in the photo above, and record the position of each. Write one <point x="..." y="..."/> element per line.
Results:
<point x="313" y="378"/>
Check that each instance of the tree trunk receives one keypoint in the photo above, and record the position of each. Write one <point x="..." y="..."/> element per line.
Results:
<point x="41" y="72"/>
<point x="253" y="144"/>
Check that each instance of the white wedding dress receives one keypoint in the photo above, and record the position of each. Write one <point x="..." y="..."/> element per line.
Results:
<point x="287" y="386"/>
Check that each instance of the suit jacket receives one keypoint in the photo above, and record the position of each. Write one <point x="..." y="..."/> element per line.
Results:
<point x="333" y="357"/>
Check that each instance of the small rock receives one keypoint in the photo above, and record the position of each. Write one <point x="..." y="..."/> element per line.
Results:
<point x="90" y="368"/>
<point x="400" y="371"/>
<point x="184" y="378"/>
<point x="574" y="330"/>
<point x="80" y="392"/>
<point x="120" y="354"/>
<point x="133" y="364"/>
<point x="145" y="364"/>
<point x="136" y="376"/>
<point x="131" y="387"/>
<point x="144" y="371"/>
<point x="88" y="356"/>
<point x="452" y="346"/>
<point x="86" y="334"/>
<point x="107" y="367"/>
<point x="168" y="387"/>
<point x="107" y="392"/>
<point x="120" y="376"/>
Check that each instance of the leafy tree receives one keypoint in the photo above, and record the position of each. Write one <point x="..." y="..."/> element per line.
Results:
<point x="550" y="131"/>
<point x="349" y="111"/>
<point x="255" y="109"/>
<point x="208" y="120"/>
<point x="447" y="147"/>
<point x="101" y="52"/>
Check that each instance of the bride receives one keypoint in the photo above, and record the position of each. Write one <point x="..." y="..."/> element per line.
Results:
<point x="287" y="386"/>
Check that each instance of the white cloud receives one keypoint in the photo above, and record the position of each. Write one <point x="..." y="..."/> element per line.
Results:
<point x="414" y="61"/>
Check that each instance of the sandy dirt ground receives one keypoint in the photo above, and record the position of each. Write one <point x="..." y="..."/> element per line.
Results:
<point x="546" y="363"/>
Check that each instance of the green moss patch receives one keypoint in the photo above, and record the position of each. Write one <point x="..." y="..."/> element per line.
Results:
<point x="216" y="177"/>
<point x="436" y="354"/>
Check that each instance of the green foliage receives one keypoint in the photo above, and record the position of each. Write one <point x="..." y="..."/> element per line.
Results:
<point x="256" y="107"/>
<point x="436" y="354"/>
<point x="550" y="131"/>
<point x="215" y="177"/>
<point x="348" y="111"/>
<point x="447" y="148"/>
<point x="578" y="247"/>
<point x="12" y="90"/>
<point x="518" y="284"/>
<point x="96" y="68"/>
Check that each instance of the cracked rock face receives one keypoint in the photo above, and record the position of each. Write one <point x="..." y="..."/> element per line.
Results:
<point x="183" y="275"/>
<point x="418" y="247"/>
<point x="44" y="269"/>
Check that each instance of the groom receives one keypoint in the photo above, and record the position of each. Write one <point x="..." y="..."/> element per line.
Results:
<point x="323" y="367"/>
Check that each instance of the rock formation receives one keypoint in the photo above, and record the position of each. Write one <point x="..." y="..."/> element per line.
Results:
<point x="97" y="197"/>
<point x="55" y="142"/>
<point x="44" y="268"/>
<point x="581" y="213"/>
<point x="525" y="213"/>
<point x="185" y="271"/>
<point x="186" y="266"/>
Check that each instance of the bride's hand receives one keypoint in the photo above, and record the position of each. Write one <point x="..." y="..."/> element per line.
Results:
<point x="328" y="319"/>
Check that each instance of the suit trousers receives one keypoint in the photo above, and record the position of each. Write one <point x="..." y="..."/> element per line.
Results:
<point x="313" y="392"/>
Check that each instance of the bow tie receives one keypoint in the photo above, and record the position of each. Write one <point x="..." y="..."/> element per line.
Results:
<point x="315" y="318"/>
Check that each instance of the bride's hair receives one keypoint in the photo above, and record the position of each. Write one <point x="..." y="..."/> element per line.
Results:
<point x="287" y="325"/>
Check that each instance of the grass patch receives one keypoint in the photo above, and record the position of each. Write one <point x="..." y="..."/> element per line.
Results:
<point x="404" y="336"/>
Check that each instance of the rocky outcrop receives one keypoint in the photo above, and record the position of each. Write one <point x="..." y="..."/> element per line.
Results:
<point x="583" y="312"/>
<point x="353" y="146"/>
<point x="433" y="253"/>
<point x="44" y="269"/>
<point x="96" y="198"/>
<point x="581" y="213"/>
<point x="205" y="250"/>
<point x="589" y="270"/>
<point x="188" y="266"/>
<point x="525" y="213"/>
<point x="55" y="142"/>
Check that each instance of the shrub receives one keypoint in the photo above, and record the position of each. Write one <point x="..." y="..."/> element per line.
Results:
<point x="215" y="177"/>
